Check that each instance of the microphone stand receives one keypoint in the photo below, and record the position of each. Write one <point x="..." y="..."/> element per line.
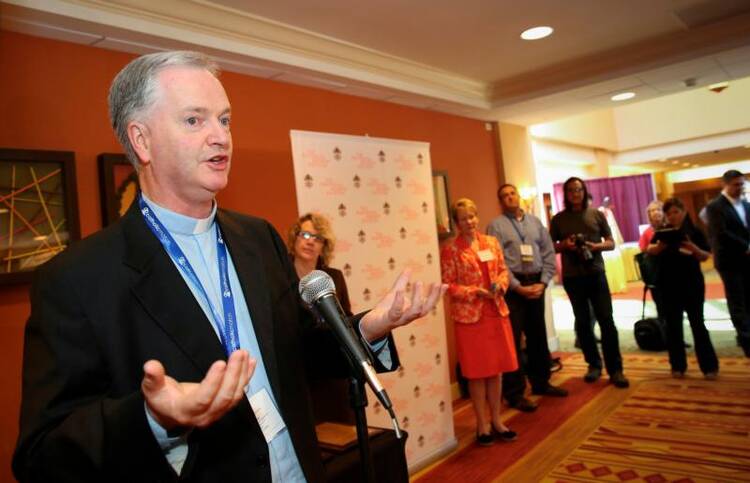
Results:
<point x="358" y="402"/>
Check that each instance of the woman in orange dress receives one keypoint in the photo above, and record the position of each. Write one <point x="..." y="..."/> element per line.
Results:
<point x="474" y="269"/>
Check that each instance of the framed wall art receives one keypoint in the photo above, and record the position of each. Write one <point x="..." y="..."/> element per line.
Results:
<point x="118" y="184"/>
<point x="38" y="209"/>
<point x="443" y="218"/>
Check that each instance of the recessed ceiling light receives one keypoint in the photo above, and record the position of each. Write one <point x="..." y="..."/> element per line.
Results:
<point x="622" y="96"/>
<point x="536" y="33"/>
<point x="675" y="161"/>
<point x="40" y="238"/>
<point x="685" y="165"/>
<point x="696" y="166"/>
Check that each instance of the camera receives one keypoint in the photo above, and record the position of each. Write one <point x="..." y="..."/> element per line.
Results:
<point x="583" y="249"/>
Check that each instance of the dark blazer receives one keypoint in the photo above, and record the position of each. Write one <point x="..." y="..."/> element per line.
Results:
<point x="115" y="300"/>
<point x="729" y="237"/>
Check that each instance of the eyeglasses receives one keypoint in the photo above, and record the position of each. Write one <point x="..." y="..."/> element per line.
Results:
<point x="574" y="190"/>
<point x="306" y="235"/>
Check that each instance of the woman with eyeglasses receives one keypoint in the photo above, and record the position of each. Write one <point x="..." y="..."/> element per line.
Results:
<point x="311" y="243"/>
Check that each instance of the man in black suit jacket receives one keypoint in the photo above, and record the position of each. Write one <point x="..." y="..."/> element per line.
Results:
<point x="728" y="222"/>
<point x="124" y="376"/>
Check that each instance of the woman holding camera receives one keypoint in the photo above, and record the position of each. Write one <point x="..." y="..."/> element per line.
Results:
<point x="474" y="268"/>
<point x="679" y="249"/>
<point x="580" y="234"/>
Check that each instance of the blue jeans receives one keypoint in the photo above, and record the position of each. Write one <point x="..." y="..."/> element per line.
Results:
<point x="594" y="288"/>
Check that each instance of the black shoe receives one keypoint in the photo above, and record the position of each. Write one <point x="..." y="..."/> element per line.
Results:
<point x="485" y="439"/>
<point x="550" y="390"/>
<point x="524" y="405"/>
<point x="505" y="436"/>
<point x="619" y="380"/>
<point x="593" y="374"/>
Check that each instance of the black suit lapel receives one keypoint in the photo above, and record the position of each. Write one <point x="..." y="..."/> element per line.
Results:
<point x="730" y="209"/>
<point x="164" y="294"/>
<point x="249" y="266"/>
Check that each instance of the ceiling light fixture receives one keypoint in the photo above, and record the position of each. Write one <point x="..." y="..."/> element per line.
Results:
<point x="685" y="165"/>
<point x="718" y="87"/>
<point x="623" y="96"/>
<point x="536" y="33"/>
<point x="696" y="166"/>
<point x="675" y="161"/>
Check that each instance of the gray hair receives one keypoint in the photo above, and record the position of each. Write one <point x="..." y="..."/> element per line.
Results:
<point x="133" y="91"/>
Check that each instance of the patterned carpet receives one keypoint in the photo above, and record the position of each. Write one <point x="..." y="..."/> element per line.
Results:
<point x="669" y="430"/>
<point x="659" y="430"/>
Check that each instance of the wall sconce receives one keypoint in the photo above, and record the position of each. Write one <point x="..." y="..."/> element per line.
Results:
<point x="528" y="195"/>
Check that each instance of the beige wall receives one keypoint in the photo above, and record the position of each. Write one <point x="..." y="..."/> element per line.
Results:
<point x="596" y="128"/>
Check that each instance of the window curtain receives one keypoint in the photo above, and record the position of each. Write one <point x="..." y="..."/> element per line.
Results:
<point x="629" y="197"/>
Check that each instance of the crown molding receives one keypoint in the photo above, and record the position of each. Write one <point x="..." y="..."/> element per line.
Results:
<point x="203" y="24"/>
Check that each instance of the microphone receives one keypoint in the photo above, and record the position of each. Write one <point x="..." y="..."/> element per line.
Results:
<point x="318" y="290"/>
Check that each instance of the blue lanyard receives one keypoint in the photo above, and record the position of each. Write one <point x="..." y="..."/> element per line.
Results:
<point x="228" y="324"/>
<point x="513" y="222"/>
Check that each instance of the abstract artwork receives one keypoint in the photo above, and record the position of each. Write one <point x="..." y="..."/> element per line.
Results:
<point x="38" y="209"/>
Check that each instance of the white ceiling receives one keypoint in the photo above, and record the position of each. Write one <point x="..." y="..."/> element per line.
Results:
<point x="459" y="57"/>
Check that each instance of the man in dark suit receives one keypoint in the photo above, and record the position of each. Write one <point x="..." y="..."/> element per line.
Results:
<point x="172" y="344"/>
<point x="728" y="221"/>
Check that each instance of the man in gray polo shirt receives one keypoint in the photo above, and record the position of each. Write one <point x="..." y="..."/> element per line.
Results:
<point x="530" y="257"/>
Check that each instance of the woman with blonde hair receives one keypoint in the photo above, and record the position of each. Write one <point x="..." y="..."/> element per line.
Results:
<point x="474" y="269"/>
<point x="310" y="242"/>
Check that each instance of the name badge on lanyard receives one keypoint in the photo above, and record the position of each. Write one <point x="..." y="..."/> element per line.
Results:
<point x="227" y="325"/>
<point x="527" y="253"/>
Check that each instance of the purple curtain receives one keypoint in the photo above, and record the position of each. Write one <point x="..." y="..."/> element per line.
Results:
<point x="629" y="197"/>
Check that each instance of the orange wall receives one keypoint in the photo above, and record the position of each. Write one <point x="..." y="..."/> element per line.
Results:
<point x="53" y="96"/>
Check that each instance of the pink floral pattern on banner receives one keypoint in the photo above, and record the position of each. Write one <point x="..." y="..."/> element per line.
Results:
<point x="409" y="213"/>
<point x="315" y="159"/>
<point x="423" y="369"/>
<point x="435" y="390"/>
<point x="372" y="272"/>
<point x="367" y="215"/>
<point x="332" y="187"/>
<point x="421" y="237"/>
<point x="382" y="240"/>
<point x="404" y="163"/>
<point x="362" y="161"/>
<point x="377" y="187"/>
<point x="430" y="340"/>
<point x="417" y="188"/>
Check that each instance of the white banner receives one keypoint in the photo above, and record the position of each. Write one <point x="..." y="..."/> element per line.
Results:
<point x="377" y="193"/>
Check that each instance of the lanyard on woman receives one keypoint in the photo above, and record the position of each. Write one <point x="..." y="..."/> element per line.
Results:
<point x="227" y="325"/>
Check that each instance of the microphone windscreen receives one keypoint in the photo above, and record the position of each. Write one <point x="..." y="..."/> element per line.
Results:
<point x="315" y="285"/>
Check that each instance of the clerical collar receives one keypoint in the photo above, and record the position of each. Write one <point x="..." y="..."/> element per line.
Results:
<point x="182" y="224"/>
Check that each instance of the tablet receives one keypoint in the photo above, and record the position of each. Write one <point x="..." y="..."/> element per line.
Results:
<point x="670" y="236"/>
